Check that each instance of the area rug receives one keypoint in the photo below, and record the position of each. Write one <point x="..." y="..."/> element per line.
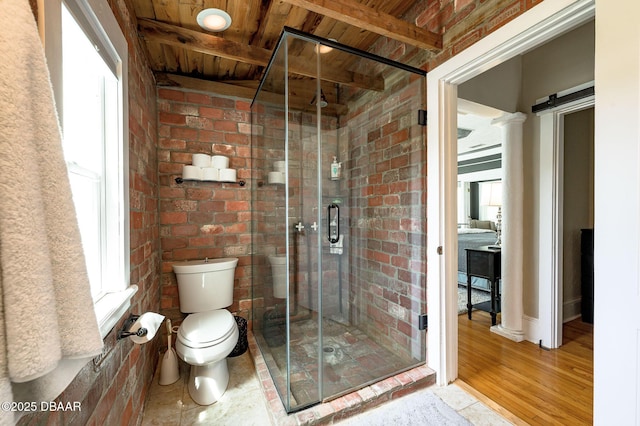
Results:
<point x="422" y="408"/>
<point x="477" y="296"/>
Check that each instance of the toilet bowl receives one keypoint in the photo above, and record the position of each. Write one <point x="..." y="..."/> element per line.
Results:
<point x="279" y="276"/>
<point x="204" y="341"/>
<point x="209" y="333"/>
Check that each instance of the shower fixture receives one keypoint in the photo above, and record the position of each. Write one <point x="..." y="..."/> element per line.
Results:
<point x="323" y="100"/>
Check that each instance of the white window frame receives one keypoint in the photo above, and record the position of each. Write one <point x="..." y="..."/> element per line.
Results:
<point x="97" y="19"/>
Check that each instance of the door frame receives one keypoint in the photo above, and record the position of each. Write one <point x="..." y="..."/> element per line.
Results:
<point x="550" y="212"/>
<point x="527" y="31"/>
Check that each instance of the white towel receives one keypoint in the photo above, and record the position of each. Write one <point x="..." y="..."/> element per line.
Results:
<point x="47" y="308"/>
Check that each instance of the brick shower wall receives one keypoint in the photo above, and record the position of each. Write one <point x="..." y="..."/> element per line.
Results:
<point x="112" y="389"/>
<point x="386" y="170"/>
<point x="270" y="211"/>
<point x="203" y="219"/>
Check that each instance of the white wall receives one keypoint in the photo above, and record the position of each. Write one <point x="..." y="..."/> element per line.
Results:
<point x="617" y="214"/>
<point x="498" y="87"/>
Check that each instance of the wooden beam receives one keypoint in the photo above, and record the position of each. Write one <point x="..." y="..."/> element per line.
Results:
<point x="243" y="91"/>
<point x="369" y="19"/>
<point x="201" y="85"/>
<point x="176" y="36"/>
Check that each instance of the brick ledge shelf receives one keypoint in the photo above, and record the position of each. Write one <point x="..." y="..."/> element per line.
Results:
<point x="345" y="406"/>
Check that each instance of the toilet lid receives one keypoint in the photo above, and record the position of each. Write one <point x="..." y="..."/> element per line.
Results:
<point x="205" y="329"/>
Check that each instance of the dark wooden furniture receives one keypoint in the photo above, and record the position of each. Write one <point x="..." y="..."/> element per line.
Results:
<point x="586" y="269"/>
<point x="484" y="262"/>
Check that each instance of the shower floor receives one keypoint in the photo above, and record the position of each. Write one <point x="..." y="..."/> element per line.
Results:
<point x="351" y="360"/>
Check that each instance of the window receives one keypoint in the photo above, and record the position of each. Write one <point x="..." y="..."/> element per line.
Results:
<point x="87" y="56"/>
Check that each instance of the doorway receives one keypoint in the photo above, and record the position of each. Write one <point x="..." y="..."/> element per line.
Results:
<point x="546" y="21"/>
<point x="565" y="208"/>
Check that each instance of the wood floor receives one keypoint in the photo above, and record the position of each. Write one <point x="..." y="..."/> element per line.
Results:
<point x="533" y="385"/>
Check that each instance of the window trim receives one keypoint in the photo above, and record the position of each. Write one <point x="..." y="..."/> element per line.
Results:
<point x="109" y="37"/>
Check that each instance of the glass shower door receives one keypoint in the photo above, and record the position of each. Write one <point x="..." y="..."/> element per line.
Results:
<point x="338" y="211"/>
<point x="371" y="251"/>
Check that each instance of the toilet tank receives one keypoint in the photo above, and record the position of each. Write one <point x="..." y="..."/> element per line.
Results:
<point x="205" y="285"/>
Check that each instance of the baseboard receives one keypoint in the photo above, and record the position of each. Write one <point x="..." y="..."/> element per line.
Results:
<point x="531" y="329"/>
<point x="571" y="309"/>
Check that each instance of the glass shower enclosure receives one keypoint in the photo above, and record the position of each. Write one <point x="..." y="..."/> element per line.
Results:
<point x="338" y="217"/>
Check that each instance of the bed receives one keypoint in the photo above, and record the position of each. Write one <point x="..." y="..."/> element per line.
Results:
<point x="473" y="237"/>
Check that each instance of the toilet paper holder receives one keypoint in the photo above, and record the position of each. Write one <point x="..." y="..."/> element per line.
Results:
<point x="124" y="331"/>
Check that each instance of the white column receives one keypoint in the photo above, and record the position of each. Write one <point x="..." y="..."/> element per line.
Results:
<point x="512" y="226"/>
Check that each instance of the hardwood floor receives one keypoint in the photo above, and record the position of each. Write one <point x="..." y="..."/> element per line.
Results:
<point x="537" y="386"/>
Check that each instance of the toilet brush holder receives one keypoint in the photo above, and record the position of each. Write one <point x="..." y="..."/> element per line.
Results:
<point x="169" y="370"/>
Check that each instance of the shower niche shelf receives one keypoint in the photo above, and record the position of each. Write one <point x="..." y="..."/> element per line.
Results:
<point x="180" y="180"/>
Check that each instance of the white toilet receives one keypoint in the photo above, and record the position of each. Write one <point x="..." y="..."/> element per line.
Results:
<point x="208" y="335"/>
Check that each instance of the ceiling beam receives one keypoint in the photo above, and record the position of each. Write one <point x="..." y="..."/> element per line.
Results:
<point x="201" y="85"/>
<point x="244" y="91"/>
<point x="217" y="46"/>
<point x="176" y="36"/>
<point x="369" y="19"/>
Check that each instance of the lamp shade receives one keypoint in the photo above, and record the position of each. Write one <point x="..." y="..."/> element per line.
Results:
<point x="493" y="194"/>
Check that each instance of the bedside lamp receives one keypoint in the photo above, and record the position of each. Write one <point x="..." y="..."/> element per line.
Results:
<point x="494" y="199"/>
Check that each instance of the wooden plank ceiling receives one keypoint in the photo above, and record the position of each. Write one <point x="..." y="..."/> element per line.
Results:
<point x="233" y="61"/>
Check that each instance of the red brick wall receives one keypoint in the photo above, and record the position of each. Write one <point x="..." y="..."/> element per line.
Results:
<point x="203" y="219"/>
<point x="268" y="205"/>
<point x="386" y="172"/>
<point x="113" y="388"/>
<point x="462" y="23"/>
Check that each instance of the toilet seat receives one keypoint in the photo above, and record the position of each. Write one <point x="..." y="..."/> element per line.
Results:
<point x="206" y="329"/>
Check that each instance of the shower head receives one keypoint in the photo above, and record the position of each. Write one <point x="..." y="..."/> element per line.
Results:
<point x="323" y="100"/>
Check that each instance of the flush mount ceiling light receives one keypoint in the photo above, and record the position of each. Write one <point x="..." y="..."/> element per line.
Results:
<point x="214" y="20"/>
<point x="323" y="48"/>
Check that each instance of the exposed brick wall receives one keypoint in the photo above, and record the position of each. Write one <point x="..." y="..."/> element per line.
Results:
<point x="386" y="171"/>
<point x="203" y="219"/>
<point x="269" y="208"/>
<point x="113" y="388"/>
<point x="461" y="22"/>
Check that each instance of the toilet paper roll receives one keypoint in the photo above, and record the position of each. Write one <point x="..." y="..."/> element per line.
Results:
<point x="280" y="166"/>
<point x="228" y="175"/>
<point x="275" y="177"/>
<point x="201" y="160"/>
<point x="149" y="320"/>
<point x="191" y="172"/>
<point x="210" y="173"/>
<point x="220" y="162"/>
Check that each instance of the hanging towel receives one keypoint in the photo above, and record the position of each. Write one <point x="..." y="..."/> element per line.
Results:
<point x="49" y="329"/>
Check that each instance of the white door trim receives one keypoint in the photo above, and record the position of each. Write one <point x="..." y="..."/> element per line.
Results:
<point x="533" y="28"/>
<point x="550" y="210"/>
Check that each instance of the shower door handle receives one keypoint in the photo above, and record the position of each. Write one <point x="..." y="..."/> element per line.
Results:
<point x="335" y="237"/>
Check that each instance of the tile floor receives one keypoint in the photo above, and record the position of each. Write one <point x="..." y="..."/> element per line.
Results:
<point x="244" y="403"/>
